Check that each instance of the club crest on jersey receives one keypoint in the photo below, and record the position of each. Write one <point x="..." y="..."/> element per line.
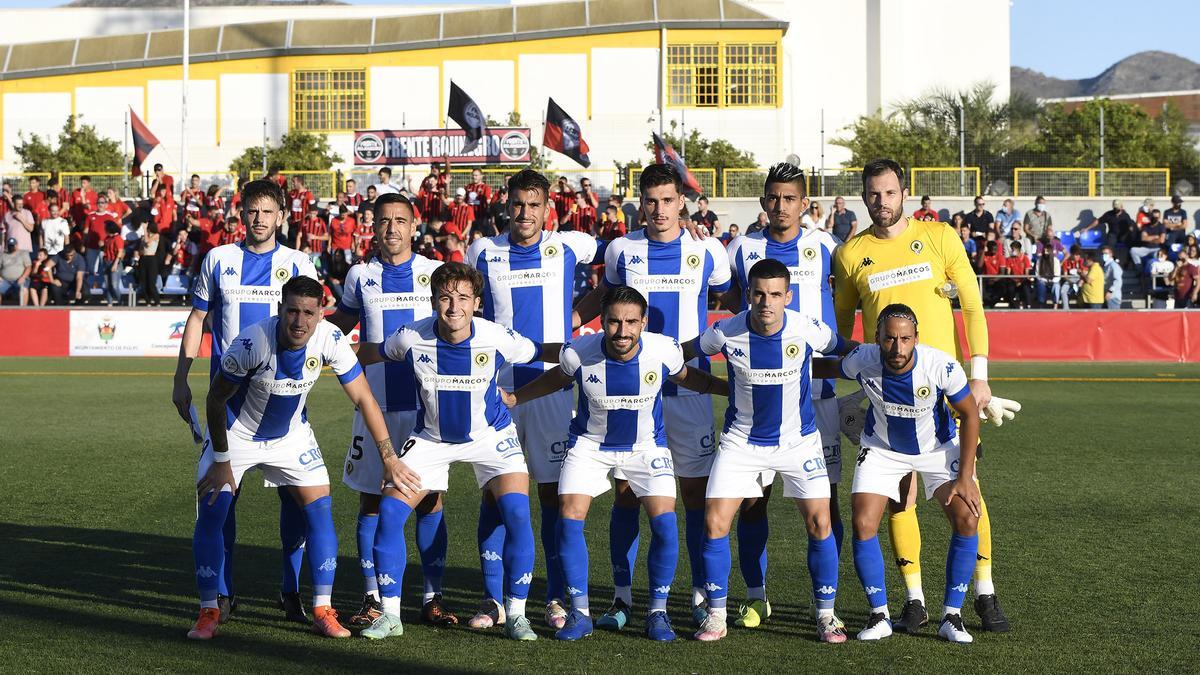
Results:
<point x="916" y="246"/>
<point x="311" y="363"/>
<point x="230" y="363"/>
<point x="282" y="274"/>
<point x="481" y="359"/>
<point x="791" y="351"/>
<point x="423" y="279"/>
<point x="651" y="377"/>
<point x="693" y="261"/>
<point x="923" y="391"/>
<point x="810" y="253"/>
<point x="550" y="251"/>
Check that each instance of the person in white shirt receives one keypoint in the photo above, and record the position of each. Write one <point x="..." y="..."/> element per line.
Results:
<point x="56" y="231"/>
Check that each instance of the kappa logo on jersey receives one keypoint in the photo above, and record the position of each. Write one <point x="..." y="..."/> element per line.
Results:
<point x="312" y="363"/>
<point x="525" y="579"/>
<point x="330" y="565"/>
<point x="385" y="580"/>
<point x="866" y="262"/>
<point x="370" y="282"/>
<point x="737" y="351"/>
<point x="961" y="588"/>
<point x="572" y="591"/>
<point x="753" y="256"/>
<point x="651" y="377"/>
<point x="873" y="589"/>
<point x="710" y="587"/>
<point x="491" y="556"/>
<point x="810" y="253"/>
<point x="366" y="564"/>
<point x="592" y="379"/>
<point x="337" y="335"/>
<point x="791" y="351"/>
<point x="496" y="259"/>
<point x="692" y="261"/>
<point x="635" y="260"/>
<point x="230" y="272"/>
<point x="949" y="368"/>
<point x="662" y="589"/>
<point x="266" y="368"/>
<point x="550" y="251"/>
<point x="424" y="358"/>
<point x="282" y="274"/>
<point x="916" y="246"/>
<point x="481" y="359"/>
<point x="827" y="590"/>
<point x="903" y="562"/>
<point x="923" y="392"/>
<point x="206" y="572"/>
<point x="423" y="279"/>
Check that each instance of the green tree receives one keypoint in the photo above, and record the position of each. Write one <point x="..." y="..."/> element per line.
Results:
<point x="79" y="148"/>
<point x="297" y="151"/>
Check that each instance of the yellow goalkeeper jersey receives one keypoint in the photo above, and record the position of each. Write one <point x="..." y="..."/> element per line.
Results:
<point x="910" y="269"/>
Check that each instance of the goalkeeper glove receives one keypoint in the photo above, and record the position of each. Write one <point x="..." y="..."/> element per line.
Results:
<point x="853" y="417"/>
<point x="998" y="410"/>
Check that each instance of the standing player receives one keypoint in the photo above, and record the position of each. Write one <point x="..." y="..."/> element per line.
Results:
<point x="456" y="358"/>
<point x="921" y="264"/>
<point x="239" y="284"/>
<point x="808" y="255"/>
<point x="770" y="426"/>
<point x="675" y="273"/>
<point x="620" y="373"/>
<point x="910" y="429"/>
<point x="258" y="400"/>
<point x="528" y="275"/>
<point x="390" y="291"/>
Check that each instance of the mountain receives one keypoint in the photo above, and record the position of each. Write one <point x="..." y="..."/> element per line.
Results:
<point x="1140" y="73"/>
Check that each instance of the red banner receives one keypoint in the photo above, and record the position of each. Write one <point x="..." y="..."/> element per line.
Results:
<point x="501" y="145"/>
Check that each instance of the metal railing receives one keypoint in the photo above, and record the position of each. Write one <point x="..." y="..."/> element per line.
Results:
<point x="944" y="181"/>
<point x="20" y="180"/>
<point x="323" y="184"/>
<point x="1090" y="182"/>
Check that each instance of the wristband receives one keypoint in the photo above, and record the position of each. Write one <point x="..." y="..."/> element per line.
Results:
<point x="220" y="456"/>
<point x="979" y="368"/>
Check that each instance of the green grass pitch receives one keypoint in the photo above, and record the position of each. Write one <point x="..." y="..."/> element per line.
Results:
<point x="1091" y="490"/>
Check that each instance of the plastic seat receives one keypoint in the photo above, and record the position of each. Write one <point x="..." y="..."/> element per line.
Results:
<point x="1091" y="239"/>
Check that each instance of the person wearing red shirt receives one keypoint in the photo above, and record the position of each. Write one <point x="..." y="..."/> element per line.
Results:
<point x="192" y="197"/>
<point x="454" y="248"/>
<point x="54" y="189"/>
<point x="83" y="201"/>
<point x="353" y="199"/>
<point x="1020" y="289"/>
<point x="443" y="178"/>
<point x="278" y="178"/>
<point x="611" y="225"/>
<point x="209" y="233"/>
<point x="926" y="211"/>
<point x="162" y="179"/>
<point x="184" y="254"/>
<point x="581" y="217"/>
<point x="163" y="209"/>
<point x="96" y="231"/>
<point x="233" y="232"/>
<point x="429" y="200"/>
<point x="364" y="235"/>
<point x="562" y="196"/>
<point x="301" y="201"/>
<point x="341" y="236"/>
<point x="460" y="214"/>
<point x="214" y="204"/>
<point x="479" y="194"/>
<point x="993" y="265"/>
<point x="35" y="200"/>
<point x="552" y="212"/>
<point x="116" y="205"/>
<point x="316" y="234"/>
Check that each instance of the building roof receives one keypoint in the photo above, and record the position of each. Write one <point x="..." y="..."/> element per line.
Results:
<point x="382" y="34"/>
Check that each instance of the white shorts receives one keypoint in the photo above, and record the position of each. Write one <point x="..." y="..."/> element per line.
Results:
<point x="294" y="459"/>
<point x="880" y="471"/>
<point x="739" y="469"/>
<point x="829" y="424"/>
<point x="690" y="434"/>
<point x="543" y="427"/>
<point x="586" y="468"/>
<point x="364" y="468"/>
<point x="495" y="454"/>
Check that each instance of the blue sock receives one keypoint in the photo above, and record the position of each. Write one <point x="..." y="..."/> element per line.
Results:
<point x="694" y="522"/>
<point x="229" y="538"/>
<point x="432" y="544"/>
<point x="717" y="562"/>
<point x="291" y="540"/>
<point x="518" y="544"/>
<point x="208" y="548"/>
<point x="365" y="534"/>
<point x="960" y="565"/>
<point x="838" y="532"/>
<point x="752" y="550"/>
<point x="391" y="550"/>
<point x="624" y="529"/>
<point x="868" y="561"/>
<point x="554" y="571"/>
<point x="491" y="546"/>
<point x="322" y="546"/>
<point x="823" y="568"/>
<point x="573" y="548"/>
<point x="663" y="558"/>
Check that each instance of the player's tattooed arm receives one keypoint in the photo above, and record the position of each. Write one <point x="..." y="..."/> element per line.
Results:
<point x="698" y="380"/>
<point x="546" y="383"/>
<point x="549" y="352"/>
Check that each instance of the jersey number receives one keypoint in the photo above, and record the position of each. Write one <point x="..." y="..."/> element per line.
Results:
<point x="356" y="451"/>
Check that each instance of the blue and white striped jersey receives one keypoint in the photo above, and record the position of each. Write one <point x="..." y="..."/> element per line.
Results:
<point x="809" y="258"/>
<point x="386" y="297"/>
<point x="239" y="288"/>
<point x="908" y="412"/>
<point x="529" y="289"/>
<point x="620" y="402"/>
<point x="457" y="382"/>
<point x="770" y="396"/>
<point x="675" y="277"/>
<point x="274" y="382"/>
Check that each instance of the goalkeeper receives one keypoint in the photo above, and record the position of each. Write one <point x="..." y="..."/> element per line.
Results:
<point x="923" y="265"/>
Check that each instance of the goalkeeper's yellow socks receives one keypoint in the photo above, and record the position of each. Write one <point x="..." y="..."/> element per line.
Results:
<point x="905" y="533"/>
<point x="983" y="559"/>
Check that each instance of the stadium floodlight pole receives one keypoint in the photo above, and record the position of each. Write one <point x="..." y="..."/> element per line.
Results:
<point x="822" y="152"/>
<point x="125" y="157"/>
<point x="264" y="147"/>
<point x="962" y="150"/>
<point x="183" y="126"/>
<point x="1102" y="149"/>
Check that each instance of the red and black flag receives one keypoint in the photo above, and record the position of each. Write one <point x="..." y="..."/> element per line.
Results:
<point x="143" y="142"/>
<point x="563" y="135"/>
<point x="468" y="115"/>
<point x="665" y="154"/>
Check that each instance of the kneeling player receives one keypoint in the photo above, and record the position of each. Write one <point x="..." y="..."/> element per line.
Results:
<point x="455" y="358"/>
<point x="265" y="377"/>
<point x="909" y="428"/>
<point x="770" y="426"/>
<point x="619" y="426"/>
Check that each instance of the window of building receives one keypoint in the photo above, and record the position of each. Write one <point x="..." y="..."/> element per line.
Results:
<point x="710" y="75"/>
<point x="329" y="100"/>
